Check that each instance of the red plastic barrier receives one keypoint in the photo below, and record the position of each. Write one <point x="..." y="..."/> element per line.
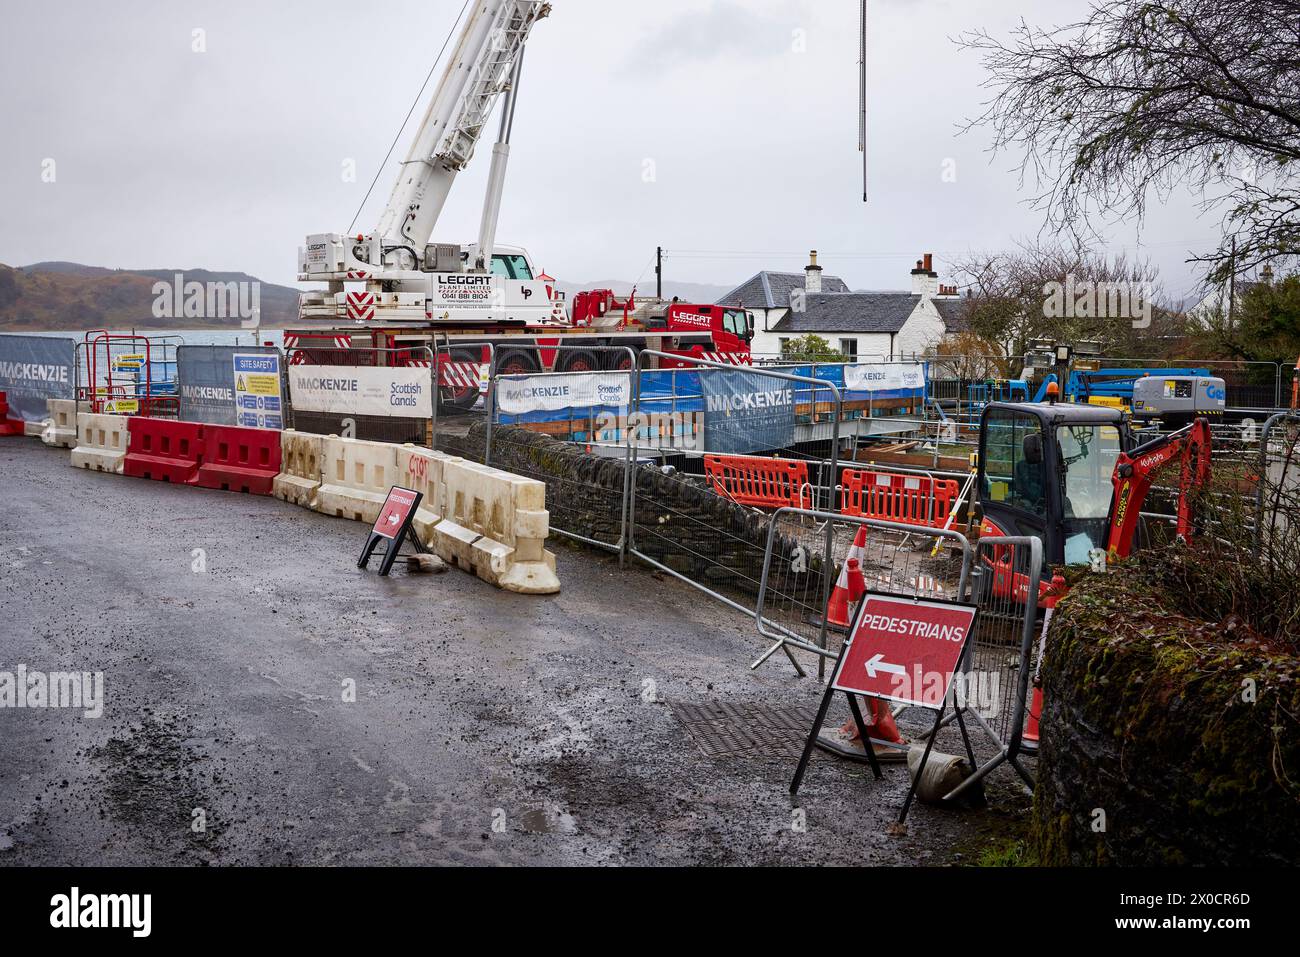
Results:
<point x="163" y="450"/>
<point x="239" y="460"/>
<point x="8" y="426"/>
<point x="899" y="498"/>
<point x="765" y="483"/>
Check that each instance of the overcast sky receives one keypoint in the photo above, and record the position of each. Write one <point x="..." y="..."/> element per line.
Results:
<point x="226" y="159"/>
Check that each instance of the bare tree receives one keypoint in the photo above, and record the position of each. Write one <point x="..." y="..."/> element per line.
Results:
<point x="1145" y="96"/>
<point x="1063" y="292"/>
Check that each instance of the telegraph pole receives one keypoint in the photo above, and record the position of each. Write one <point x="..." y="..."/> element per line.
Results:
<point x="659" y="272"/>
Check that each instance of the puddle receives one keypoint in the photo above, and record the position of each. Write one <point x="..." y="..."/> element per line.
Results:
<point x="544" y="820"/>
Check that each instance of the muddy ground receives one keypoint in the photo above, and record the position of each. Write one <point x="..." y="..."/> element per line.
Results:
<point x="487" y="728"/>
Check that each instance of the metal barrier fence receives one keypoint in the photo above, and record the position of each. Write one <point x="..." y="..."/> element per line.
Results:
<point x="590" y="412"/>
<point x="208" y="386"/>
<point x="674" y="523"/>
<point x="1250" y="385"/>
<point x="354" y="424"/>
<point x="1001" y="576"/>
<point x="127" y="373"/>
<point x="1277" y="506"/>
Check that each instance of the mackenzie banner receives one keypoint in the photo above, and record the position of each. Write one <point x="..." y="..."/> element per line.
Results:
<point x="362" y="390"/>
<point x="884" y="377"/>
<point x="746" y="411"/>
<point x="206" y="377"/>
<point x="519" y="395"/>
<point x="33" y="369"/>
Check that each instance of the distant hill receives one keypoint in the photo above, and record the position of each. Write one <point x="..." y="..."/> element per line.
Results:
<point x="74" y="296"/>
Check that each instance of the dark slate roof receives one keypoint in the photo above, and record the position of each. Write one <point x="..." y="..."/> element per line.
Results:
<point x="953" y="314"/>
<point x="851" y="312"/>
<point x="771" y="290"/>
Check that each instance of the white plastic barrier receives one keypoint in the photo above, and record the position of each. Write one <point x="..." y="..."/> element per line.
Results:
<point x="300" y="468"/>
<point x="355" y="478"/>
<point x="495" y="525"/>
<point x="101" y="442"/>
<point x="421" y="471"/>
<point x="60" y="427"/>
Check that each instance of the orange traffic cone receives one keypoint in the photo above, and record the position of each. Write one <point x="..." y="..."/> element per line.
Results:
<point x="837" y="609"/>
<point x="1054" y="594"/>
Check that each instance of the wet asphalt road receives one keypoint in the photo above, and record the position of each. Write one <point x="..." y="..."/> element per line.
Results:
<point x="487" y="728"/>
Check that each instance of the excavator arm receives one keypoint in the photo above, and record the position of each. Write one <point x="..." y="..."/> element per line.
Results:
<point x="1136" y="471"/>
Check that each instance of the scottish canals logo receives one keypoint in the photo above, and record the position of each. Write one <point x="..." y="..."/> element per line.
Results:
<point x="405" y="395"/>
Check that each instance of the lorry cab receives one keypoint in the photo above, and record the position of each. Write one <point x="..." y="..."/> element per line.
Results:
<point x="1046" y="471"/>
<point x="703" y="331"/>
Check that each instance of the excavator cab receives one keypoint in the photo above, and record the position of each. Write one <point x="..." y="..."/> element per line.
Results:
<point x="1046" y="471"/>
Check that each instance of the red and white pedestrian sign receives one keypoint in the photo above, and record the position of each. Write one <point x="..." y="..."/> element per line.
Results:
<point x="393" y="527"/>
<point x="905" y="649"/>
<point x="396" y="513"/>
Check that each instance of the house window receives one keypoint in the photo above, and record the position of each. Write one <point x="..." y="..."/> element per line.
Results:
<point x="849" y="347"/>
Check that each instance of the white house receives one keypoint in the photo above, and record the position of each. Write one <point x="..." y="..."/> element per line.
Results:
<point x="867" y="325"/>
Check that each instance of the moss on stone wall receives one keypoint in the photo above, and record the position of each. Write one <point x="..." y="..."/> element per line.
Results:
<point x="1184" y="734"/>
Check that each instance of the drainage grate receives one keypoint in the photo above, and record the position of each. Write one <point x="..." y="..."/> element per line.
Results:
<point x="745" y="730"/>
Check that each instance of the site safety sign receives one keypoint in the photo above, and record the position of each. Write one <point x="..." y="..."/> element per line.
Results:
<point x="905" y="649"/>
<point x="258" y="402"/>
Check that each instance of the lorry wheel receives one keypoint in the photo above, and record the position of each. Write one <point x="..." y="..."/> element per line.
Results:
<point x="580" y="362"/>
<point x="516" y="363"/>
<point x="618" y="361"/>
<point x="462" y="394"/>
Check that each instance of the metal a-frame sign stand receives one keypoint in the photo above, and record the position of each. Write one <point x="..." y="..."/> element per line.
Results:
<point x="955" y="656"/>
<point x="393" y="527"/>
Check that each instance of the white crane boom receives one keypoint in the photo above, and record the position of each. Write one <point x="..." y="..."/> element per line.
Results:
<point x="479" y="70"/>
<point x="408" y="279"/>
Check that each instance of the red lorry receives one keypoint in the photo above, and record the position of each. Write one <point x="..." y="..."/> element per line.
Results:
<point x="599" y="321"/>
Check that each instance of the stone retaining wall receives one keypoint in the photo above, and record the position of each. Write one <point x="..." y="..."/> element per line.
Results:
<point x="1178" y="736"/>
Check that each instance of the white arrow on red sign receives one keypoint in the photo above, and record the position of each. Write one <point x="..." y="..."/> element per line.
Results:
<point x="879" y="664"/>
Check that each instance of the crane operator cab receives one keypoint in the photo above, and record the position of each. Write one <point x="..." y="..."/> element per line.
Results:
<point x="1046" y="470"/>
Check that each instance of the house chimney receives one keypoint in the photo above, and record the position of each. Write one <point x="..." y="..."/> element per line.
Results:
<point x="925" y="281"/>
<point x="812" y="274"/>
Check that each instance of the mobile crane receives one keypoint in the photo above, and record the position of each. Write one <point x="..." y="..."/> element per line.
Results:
<point x="393" y="291"/>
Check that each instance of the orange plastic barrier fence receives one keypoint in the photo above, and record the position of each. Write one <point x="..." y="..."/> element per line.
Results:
<point x="751" y="480"/>
<point x="910" y="499"/>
